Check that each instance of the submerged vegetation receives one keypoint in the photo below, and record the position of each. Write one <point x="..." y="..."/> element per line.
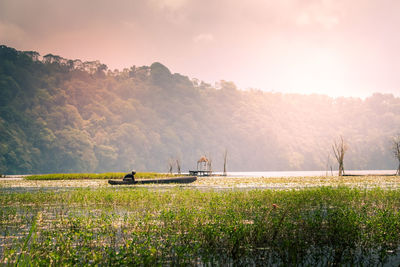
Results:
<point x="123" y="226"/>
<point x="108" y="175"/>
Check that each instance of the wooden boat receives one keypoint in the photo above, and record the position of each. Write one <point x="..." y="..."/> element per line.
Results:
<point x="120" y="182"/>
<point x="168" y="180"/>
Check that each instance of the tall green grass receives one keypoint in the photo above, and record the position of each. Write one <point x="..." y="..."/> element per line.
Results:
<point x="108" y="175"/>
<point x="120" y="226"/>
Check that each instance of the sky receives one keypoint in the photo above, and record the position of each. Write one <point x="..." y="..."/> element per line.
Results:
<point x="338" y="48"/>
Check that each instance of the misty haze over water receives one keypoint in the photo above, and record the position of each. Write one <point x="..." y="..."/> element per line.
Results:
<point x="60" y="115"/>
<point x="306" y="173"/>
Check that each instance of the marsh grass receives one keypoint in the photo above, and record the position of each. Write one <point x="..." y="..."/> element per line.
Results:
<point x="108" y="175"/>
<point x="229" y="183"/>
<point x="131" y="226"/>
<point x="301" y="182"/>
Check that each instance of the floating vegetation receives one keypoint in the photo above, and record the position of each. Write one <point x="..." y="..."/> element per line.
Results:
<point x="175" y="226"/>
<point x="247" y="183"/>
<point x="300" y="182"/>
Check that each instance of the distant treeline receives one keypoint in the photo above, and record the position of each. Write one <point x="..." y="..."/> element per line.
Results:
<point x="59" y="115"/>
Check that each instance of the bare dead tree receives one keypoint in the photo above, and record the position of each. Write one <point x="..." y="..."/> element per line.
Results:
<point x="178" y="166"/>
<point x="396" y="151"/>
<point x="225" y="158"/>
<point x="170" y="166"/>
<point x="339" y="149"/>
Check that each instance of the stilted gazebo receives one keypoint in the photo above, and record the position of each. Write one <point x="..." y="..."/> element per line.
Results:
<point x="203" y="167"/>
<point x="203" y="164"/>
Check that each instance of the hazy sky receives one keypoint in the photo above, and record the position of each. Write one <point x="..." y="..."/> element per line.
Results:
<point x="344" y="47"/>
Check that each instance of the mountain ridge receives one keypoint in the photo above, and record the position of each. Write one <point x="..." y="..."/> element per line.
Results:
<point x="58" y="116"/>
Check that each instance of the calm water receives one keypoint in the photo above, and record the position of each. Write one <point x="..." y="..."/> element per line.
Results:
<point x="304" y="173"/>
<point x="277" y="173"/>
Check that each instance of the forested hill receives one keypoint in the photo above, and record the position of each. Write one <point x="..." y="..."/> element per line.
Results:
<point x="59" y="115"/>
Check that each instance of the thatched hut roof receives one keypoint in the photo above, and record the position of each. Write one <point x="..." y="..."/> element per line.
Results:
<point x="202" y="159"/>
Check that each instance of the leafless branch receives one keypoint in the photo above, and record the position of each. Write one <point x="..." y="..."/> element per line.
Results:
<point x="178" y="166"/>
<point x="396" y="151"/>
<point x="225" y="158"/>
<point x="339" y="148"/>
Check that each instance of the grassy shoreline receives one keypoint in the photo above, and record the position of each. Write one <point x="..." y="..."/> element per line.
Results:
<point x="85" y="176"/>
<point x="138" y="226"/>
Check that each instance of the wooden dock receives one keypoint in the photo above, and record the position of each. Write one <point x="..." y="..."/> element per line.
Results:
<point x="200" y="173"/>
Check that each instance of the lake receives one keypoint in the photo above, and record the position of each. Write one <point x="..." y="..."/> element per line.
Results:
<point x="305" y="173"/>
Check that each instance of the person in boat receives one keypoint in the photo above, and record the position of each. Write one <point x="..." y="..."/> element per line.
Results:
<point x="130" y="176"/>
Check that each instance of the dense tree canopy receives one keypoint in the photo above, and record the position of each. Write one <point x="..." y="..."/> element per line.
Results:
<point x="59" y="115"/>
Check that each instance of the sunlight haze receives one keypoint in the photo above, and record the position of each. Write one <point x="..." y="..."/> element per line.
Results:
<point x="338" y="48"/>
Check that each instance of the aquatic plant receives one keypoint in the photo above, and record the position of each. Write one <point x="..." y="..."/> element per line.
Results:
<point x="108" y="175"/>
<point x="128" y="226"/>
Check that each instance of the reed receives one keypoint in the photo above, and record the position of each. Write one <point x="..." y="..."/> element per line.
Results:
<point x="137" y="226"/>
<point x="82" y="176"/>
